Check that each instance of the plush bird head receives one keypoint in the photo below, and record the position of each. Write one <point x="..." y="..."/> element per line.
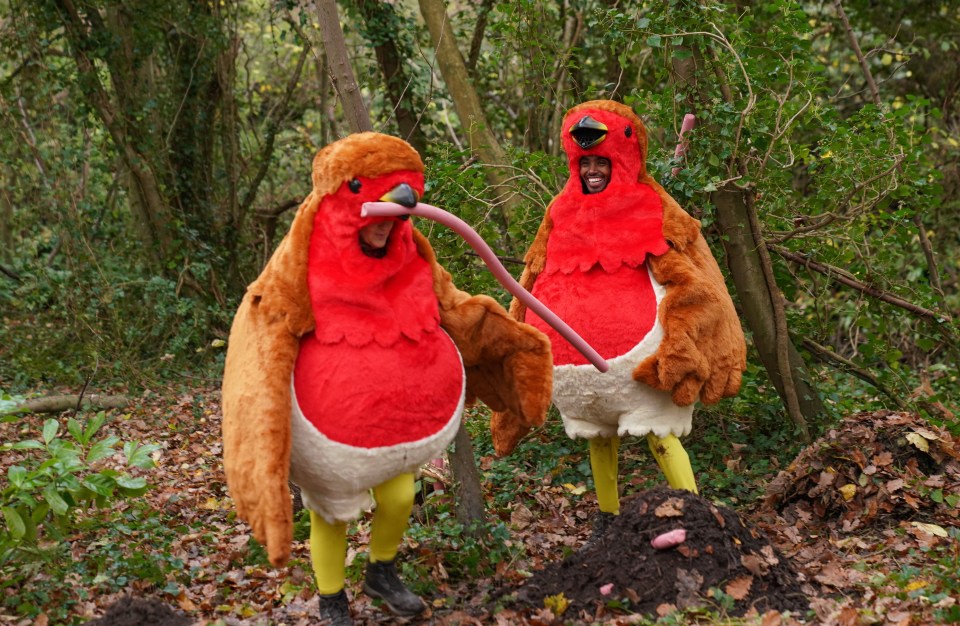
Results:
<point x="362" y="168"/>
<point x="366" y="292"/>
<point x="608" y="129"/>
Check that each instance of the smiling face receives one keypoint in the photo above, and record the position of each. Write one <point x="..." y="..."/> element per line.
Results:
<point x="595" y="173"/>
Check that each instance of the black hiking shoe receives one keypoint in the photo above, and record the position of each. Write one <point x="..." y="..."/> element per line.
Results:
<point x="601" y="522"/>
<point x="335" y="609"/>
<point x="383" y="582"/>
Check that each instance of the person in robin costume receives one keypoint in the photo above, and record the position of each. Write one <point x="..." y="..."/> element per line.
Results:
<point x="620" y="261"/>
<point x="349" y="362"/>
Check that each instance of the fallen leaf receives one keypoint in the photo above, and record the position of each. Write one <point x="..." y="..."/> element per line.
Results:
<point x="918" y="441"/>
<point x="739" y="588"/>
<point x="557" y="604"/>
<point x="926" y="434"/>
<point x="666" y="609"/>
<point x="754" y="564"/>
<point x="848" y="491"/>
<point x="849" y="616"/>
<point x="671" y="507"/>
<point x="894" y="485"/>
<point x="521" y="517"/>
<point x="933" y="529"/>
<point x="771" y="618"/>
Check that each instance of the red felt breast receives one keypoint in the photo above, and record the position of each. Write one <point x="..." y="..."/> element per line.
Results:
<point x="374" y="396"/>
<point x="611" y="310"/>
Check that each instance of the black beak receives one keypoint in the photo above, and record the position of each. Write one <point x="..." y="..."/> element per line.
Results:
<point x="588" y="132"/>
<point x="403" y="194"/>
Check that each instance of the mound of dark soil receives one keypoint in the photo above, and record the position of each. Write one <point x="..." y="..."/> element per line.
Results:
<point x="874" y="468"/>
<point x="130" y="611"/>
<point x="721" y="562"/>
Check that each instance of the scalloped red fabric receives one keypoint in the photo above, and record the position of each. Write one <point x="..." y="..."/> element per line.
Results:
<point x="378" y="370"/>
<point x="595" y="276"/>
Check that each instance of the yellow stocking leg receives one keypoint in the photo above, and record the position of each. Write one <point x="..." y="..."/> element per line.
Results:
<point x="328" y="552"/>
<point x="673" y="461"/>
<point x="603" y="462"/>
<point x="390" y="518"/>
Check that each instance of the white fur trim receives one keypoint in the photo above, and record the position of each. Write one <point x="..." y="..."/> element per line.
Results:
<point x="594" y="404"/>
<point x="335" y="479"/>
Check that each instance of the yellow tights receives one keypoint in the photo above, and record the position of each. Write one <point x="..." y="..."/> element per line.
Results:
<point x="668" y="452"/>
<point x="328" y="542"/>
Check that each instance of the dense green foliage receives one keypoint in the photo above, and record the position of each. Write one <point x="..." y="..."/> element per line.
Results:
<point x="222" y="106"/>
<point x="849" y="184"/>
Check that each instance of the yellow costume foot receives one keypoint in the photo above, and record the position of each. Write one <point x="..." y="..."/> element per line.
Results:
<point x="673" y="462"/>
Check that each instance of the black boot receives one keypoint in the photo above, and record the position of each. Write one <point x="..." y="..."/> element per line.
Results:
<point x="383" y="582"/>
<point x="335" y="609"/>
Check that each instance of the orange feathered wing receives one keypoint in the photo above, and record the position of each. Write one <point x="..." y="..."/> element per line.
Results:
<point x="703" y="352"/>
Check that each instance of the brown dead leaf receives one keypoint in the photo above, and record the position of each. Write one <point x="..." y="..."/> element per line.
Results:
<point x="848" y="616"/>
<point x="739" y="588"/>
<point x="771" y="618"/>
<point x="671" y="507"/>
<point x="521" y="517"/>
<point x="894" y="485"/>
<point x="666" y="609"/>
<point x="755" y="564"/>
<point x="717" y="516"/>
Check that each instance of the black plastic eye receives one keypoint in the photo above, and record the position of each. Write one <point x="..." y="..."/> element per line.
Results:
<point x="354" y="185"/>
<point x="627" y="131"/>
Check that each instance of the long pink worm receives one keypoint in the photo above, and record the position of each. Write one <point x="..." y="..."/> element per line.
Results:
<point x="457" y="225"/>
<point x="689" y="121"/>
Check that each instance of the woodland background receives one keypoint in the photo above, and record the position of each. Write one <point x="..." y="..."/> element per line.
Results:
<point x="153" y="154"/>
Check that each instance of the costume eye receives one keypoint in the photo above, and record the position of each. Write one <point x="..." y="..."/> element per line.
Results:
<point x="627" y="131"/>
<point x="354" y="185"/>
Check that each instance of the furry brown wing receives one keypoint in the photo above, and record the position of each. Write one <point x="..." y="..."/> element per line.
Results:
<point x="261" y="352"/>
<point x="703" y="352"/>
<point x="509" y="364"/>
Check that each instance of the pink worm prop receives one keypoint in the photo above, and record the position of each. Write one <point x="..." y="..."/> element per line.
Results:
<point x="689" y="121"/>
<point x="390" y="209"/>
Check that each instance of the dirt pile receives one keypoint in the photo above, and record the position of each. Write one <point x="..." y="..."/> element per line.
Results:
<point x="130" y="611"/>
<point x="874" y="468"/>
<point x="721" y="563"/>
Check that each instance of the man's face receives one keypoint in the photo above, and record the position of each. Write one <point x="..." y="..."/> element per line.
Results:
<point x="595" y="172"/>
<point x="376" y="234"/>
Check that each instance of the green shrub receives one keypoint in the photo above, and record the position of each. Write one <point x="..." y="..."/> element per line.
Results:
<point x="60" y="474"/>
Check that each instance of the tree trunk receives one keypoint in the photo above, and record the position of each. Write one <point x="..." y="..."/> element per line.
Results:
<point x="6" y="224"/>
<point x="753" y="278"/>
<point x="338" y="61"/>
<point x="466" y="488"/>
<point x="380" y="17"/>
<point x="755" y="298"/>
<point x="483" y="143"/>
<point x="57" y="404"/>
